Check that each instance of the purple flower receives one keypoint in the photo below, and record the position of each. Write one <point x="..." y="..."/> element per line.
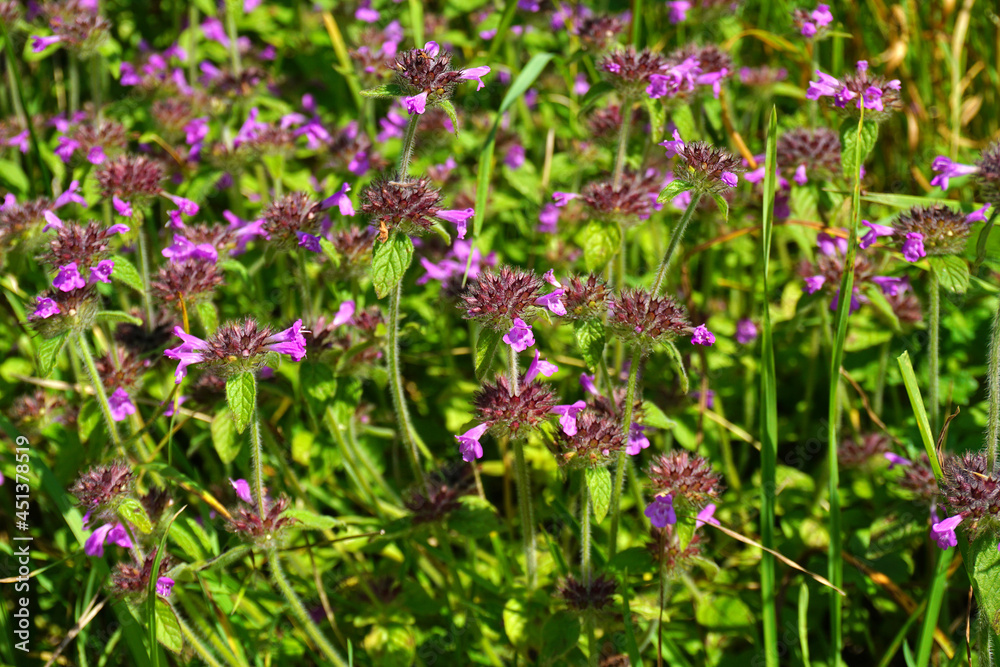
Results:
<point x="827" y="86"/>
<point x="66" y="148"/>
<point x="70" y="196"/>
<point x="520" y="337"/>
<point x="169" y="412"/>
<point x="186" y="206"/>
<point x="309" y="242"/>
<point x="416" y="104"/>
<point x="746" y="331"/>
<point x="96" y="155"/>
<point x="553" y="301"/>
<point x="117" y="228"/>
<point x="587" y="382"/>
<point x="21" y="141"/>
<point x="567" y="416"/>
<point x="122" y="208"/>
<point x="637" y="440"/>
<point x="365" y="12"/>
<point x="872" y="98"/>
<point x="69" y="278"/>
<point x="822" y="15"/>
<point x="581" y="85"/>
<point x="102" y="272"/>
<point x="344" y="313"/>
<point x="979" y="215"/>
<point x="45" y="308"/>
<point x="164" y="586"/>
<point x="831" y="246"/>
<point x="814" y="284"/>
<point x="702" y="336"/>
<point x="187" y="353"/>
<point x="948" y="169"/>
<point x="290" y="342"/>
<point x="121" y="405"/>
<point x="537" y="367"/>
<point x="514" y="157"/>
<point x="730" y="179"/>
<point x="874" y="232"/>
<point x="677" y="10"/>
<point x="340" y="200"/>
<point x="468" y="443"/>
<point x="913" y="247"/>
<point x="709" y="397"/>
<point x="476" y="73"/>
<point x="707" y="515"/>
<point x="808" y="29"/>
<point x="183" y="249"/>
<point x="661" y="511"/>
<point x="113" y="533"/>
<point x="196" y="131"/>
<point x="459" y="218"/>
<point x="896" y="460"/>
<point x="52" y="221"/>
<point x="891" y="286"/>
<point x="548" y="219"/>
<point x="242" y="489"/>
<point x="39" y="44"/>
<point x="943" y="532"/>
<point x="563" y="198"/>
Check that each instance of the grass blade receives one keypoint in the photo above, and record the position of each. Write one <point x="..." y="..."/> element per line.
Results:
<point x="913" y="390"/>
<point x="768" y="409"/>
<point x="934" y="607"/>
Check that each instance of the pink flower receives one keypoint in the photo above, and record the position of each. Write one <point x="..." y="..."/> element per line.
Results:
<point x="290" y="342"/>
<point x="468" y="443"/>
<point x="344" y="313"/>
<point x="707" y="515"/>
<point x="553" y="301"/>
<point x="587" y="382"/>
<point x="702" y="336"/>
<point x="164" y="586"/>
<point x="538" y="366"/>
<point x="979" y="215"/>
<point x="874" y="232"/>
<point x="416" y="104"/>
<point x="39" y="44"/>
<point x="121" y="405"/>
<point x="45" y="308"/>
<point x="459" y="218"/>
<point x="340" y="200"/>
<point x="913" y="247"/>
<point x="563" y="198"/>
<point x="567" y="416"/>
<point x="896" y="460"/>
<point x="122" y="208"/>
<point x="113" y="533"/>
<point x="814" y="284"/>
<point x="520" y="337"/>
<point x="474" y="73"/>
<point x="948" y="169"/>
<point x="69" y="278"/>
<point x="242" y="489"/>
<point x="637" y="440"/>
<point x="102" y="272"/>
<point x="943" y="532"/>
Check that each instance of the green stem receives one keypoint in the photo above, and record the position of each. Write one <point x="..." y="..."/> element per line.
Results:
<point x="199" y="646"/>
<point x="74" y="84"/>
<point x="304" y="285"/>
<point x="95" y="380"/>
<point x="527" y="512"/>
<point x="993" y="422"/>
<point x="406" y="429"/>
<point x="938" y="586"/>
<point x="147" y="301"/>
<point x="300" y="611"/>
<point x="933" y="354"/>
<point x="257" y="456"/>
<point x="17" y="97"/>
<point x="192" y="47"/>
<point x="675" y="241"/>
<point x="616" y="488"/>
<point x="409" y="139"/>
<point x="883" y="368"/>
<point x="593" y="652"/>
<point x="622" y="151"/>
<point x="350" y="457"/>
<point x="96" y="67"/>
<point x="232" y="6"/>
<point x="585" y="531"/>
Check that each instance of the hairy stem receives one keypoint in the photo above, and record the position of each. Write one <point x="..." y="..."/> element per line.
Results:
<point x="585" y="530"/>
<point x="198" y="645"/>
<point x="409" y="139"/>
<point x="993" y="423"/>
<point x="675" y="240"/>
<point x="933" y="354"/>
<point x="147" y="301"/>
<point x="616" y="487"/>
<point x="406" y="430"/>
<point x="95" y="380"/>
<point x="232" y="7"/>
<point x="527" y="512"/>
<point x="620" y="154"/>
<point x="331" y="654"/>
<point x="257" y="455"/>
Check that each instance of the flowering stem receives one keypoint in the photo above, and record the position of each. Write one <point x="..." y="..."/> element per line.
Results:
<point x="675" y="241"/>
<point x="304" y="285"/>
<point x="300" y="612"/>
<point x="626" y="110"/>
<point x="409" y="139"/>
<point x="514" y="374"/>
<point x="195" y="641"/>
<point x="234" y="48"/>
<point x="144" y="271"/>
<point x="95" y="381"/>
<point x="933" y="359"/>
<point x="585" y="530"/>
<point x="192" y="46"/>
<point x="616" y="488"/>
<point x="406" y="430"/>
<point x="993" y="423"/>
<point x="527" y="513"/>
<point x="593" y="653"/>
<point x="256" y="453"/>
<point x="96" y="67"/>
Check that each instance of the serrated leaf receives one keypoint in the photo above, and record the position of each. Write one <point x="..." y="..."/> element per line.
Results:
<point x="390" y="261"/>
<point x="657" y="118"/>
<point x="241" y="394"/>
<point x="674" y="188"/>
<point x="209" y="316"/>
<point x="486" y="349"/>
<point x="590" y="339"/>
<point x="118" y="316"/>
<point x="722" y="204"/>
<point x="982" y="561"/>
<point x="224" y="439"/>
<point x="126" y="273"/>
<point x="385" y="90"/>
<point x="599" y="485"/>
<point x="601" y="240"/>
<point x="449" y="109"/>
<point x="951" y="271"/>
<point x="849" y="140"/>
<point x="560" y="635"/>
<point x="311" y="520"/>
<point x="47" y="352"/>
<point x="168" y="629"/>
<point x="596" y="92"/>
<point x="653" y="416"/>
<point x="132" y="511"/>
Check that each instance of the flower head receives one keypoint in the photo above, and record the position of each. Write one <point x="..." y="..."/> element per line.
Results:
<point x="646" y="320"/>
<point x="706" y="168"/>
<point x="500" y="297"/>
<point x="509" y="414"/>
<point x="931" y="230"/>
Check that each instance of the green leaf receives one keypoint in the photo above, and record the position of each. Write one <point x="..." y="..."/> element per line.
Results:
<point x="168" y="629"/>
<point x="982" y="561"/>
<point x="311" y="520"/>
<point x="156" y="621"/>
<point x="473" y="518"/>
<point x="233" y="265"/>
<point x="601" y="241"/>
<point x="118" y="316"/>
<point x="385" y="90"/>
<point x="390" y="261"/>
<point x="330" y="251"/>
<point x="685" y="531"/>
<point x="209" y="316"/>
<point x="241" y="394"/>
<point x="449" y="109"/>
<point x="674" y="188"/>
<point x="850" y="137"/>
<point x="722" y="204"/>
<point x="657" y="118"/>
<point x="653" y="416"/>
<point x="951" y="271"/>
<point x="223" y="428"/>
<point x="318" y="384"/>
<point x="590" y="339"/>
<point x="634" y="656"/>
<point x="596" y="92"/>
<point x="126" y="273"/>
<point x="486" y="349"/>
<point x="560" y="635"/>
<point x="132" y="511"/>
<point x="47" y="352"/>
<point x="599" y="484"/>
<point x="683" y="118"/>
<point x="88" y="419"/>
<point x="920" y="412"/>
<point x="13" y="177"/>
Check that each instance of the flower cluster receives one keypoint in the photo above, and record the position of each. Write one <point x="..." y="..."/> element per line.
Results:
<point x="859" y="90"/>
<point x="703" y="167"/>
<point x="411" y="206"/>
<point x="644" y="320"/>
<point x="426" y="76"/>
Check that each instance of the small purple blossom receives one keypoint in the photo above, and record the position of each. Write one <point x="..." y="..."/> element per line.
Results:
<point x="340" y="200"/>
<point x="102" y="272"/>
<point x="553" y="302"/>
<point x="122" y="208"/>
<point x="345" y="313"/>
<point x="52" y="221"/>
<point x="164" y="586"/>
<point x="70" y="195"/>
<point x="943" y="532"/>
<point x="39" y="44"/>
<point x="814" y="284"/>
<point x="948" y="169"/>
<point x="309" y="242"/>
<point x="416" y="104"/>
<point x="707" y="515"/>
<point x="520" y="337"/>
<point x="108" y="533"/>
<point x="458" y="217"/>
<point x="913" y="247"/>
<point x="183" y="249"/>
<point x="587" y="382"/>
<point x="637" y="440"/>
<point x="567" y="416"/>
<point x="290" y="342"/>
<point x="874" y="232"/>
<point x="891" y="286"/>
<point x="746" y="331"/>
<point x="468" y="443"/>
<point x="702" y="336"/>
<point x="474" y="73"/>
<point x="563" y="198"/>
<point x="68" y="278"/>
<point x="896" y="460"/>
<point x="45" y="308"/>
<point x="661" y="511"/>
<point x="979" y="215"/>
<point x="548" y="219"/>
<point x="242" y="489"/>
<point x="121" y="405"/>
<point x="538" y="367"/>
<point x="96" y="155"/>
